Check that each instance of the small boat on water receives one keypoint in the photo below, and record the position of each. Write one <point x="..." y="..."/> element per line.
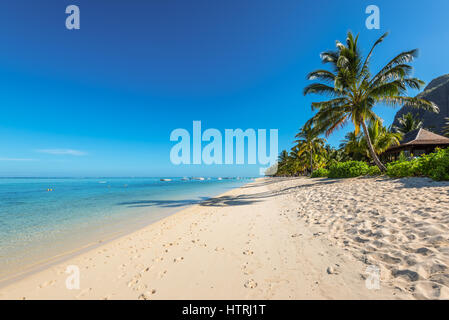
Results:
<point x="165" y="179"/>
<point x="198" y="178"/>
<point x="220" y="178"/>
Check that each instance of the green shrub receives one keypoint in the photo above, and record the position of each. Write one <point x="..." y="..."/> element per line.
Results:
<point x="319" y="173"/>
<point x="374" y="171"/>
<point x="434" y="165"/>
<point x="400" y="169"/>
<point x="348" y="169"/>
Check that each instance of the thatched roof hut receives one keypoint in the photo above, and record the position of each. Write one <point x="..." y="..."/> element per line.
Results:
<point x="417" y="142"/>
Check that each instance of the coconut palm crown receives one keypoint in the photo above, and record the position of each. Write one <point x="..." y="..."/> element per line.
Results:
<point x="408" y="123"/>
<point x="309" y="143"/>
<point x="381" y="138"/>
<point x="354" y="90"/>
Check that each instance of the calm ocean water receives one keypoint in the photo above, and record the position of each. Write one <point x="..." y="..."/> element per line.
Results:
<point x="41" y="218"/>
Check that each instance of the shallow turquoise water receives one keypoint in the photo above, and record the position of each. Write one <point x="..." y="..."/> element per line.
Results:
<point x="36" y="224"/>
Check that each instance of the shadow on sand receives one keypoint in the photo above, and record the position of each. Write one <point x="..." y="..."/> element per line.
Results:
<point x="248" y="199"/>
<point x="220" y="201"/>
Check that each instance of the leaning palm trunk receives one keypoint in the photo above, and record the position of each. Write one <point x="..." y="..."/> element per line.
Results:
<point x="371" y="148"/>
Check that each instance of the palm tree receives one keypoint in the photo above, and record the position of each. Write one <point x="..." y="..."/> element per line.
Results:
<point x="381" y="138"/>
<point x="354" y="91"/>
<point x="446" y="128"/>
<point x="309" y="143"/>
<point x="332" y="155"/>
<point x="283" y="156"/>
<point x="351" y="145"/>
<point x="408" y="123"/>
<point x="283" y="162"/>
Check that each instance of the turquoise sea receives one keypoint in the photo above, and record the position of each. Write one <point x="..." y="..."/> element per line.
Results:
<point x="43" y="218"/>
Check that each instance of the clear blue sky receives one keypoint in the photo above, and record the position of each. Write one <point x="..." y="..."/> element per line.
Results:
<point x="102" y="100"/>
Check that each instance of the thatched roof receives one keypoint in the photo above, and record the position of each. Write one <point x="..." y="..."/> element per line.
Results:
<point x="422" y="137"/>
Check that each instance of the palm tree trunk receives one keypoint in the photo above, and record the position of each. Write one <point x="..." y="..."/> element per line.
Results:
<point x="371" y="148"/>
<point x="311" y="162"/>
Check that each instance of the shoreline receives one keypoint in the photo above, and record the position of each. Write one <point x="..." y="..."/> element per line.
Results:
<point x="46" y="263"/>
<point x="274" y="238"/>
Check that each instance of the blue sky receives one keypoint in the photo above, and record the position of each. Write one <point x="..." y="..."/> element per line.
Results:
<point x="103" y="100"/>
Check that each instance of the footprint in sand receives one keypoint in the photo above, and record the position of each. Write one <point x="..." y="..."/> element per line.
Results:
<point x="250" y="284"/>
<point x="389" y="259"/>
<point x="248" y="252"/>
<point x="178" y="259"/>
<point x="47" y="283"/>
<point x="162" y="274"/>
<point x="245" y="269"/>
<point x="407" y="274"/>
<point x="332" y="270"/>
<point x="147" y="295"/>
<point x="83" y="293"/>
<point x="141" y="287"/>
<point x="134" y="281"/>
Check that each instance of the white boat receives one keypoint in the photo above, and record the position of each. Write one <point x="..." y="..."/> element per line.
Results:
<point x="165" y="179"/>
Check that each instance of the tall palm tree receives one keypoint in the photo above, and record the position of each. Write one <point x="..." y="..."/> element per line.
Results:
<point x="408" y="123"/>
<point x="309" y="143"/>
<point x="282" y="162"/>
<point x="354" y="91"/>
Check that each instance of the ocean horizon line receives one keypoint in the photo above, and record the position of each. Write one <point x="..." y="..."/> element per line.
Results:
<point x="124" y="177"/>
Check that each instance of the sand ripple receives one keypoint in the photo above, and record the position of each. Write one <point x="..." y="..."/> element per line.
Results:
<point x="399" y="225"/>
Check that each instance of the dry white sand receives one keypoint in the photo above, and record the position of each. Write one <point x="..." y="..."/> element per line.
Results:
<point x="274" y="239"/>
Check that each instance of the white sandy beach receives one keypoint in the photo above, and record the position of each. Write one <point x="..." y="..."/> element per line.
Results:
<point x="277" y="238"/>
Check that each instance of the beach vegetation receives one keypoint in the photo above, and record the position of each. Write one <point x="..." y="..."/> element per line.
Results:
<point x="348" y="169"/>
<point x="320" y="173"/>
<point x="408" y="122"/>
<point x="434" y="165"/>
<point x="374" y="171"/>
<point x="309" y="143"/>
<point x="446" y="127"/>
<point x="354" y="90"/>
